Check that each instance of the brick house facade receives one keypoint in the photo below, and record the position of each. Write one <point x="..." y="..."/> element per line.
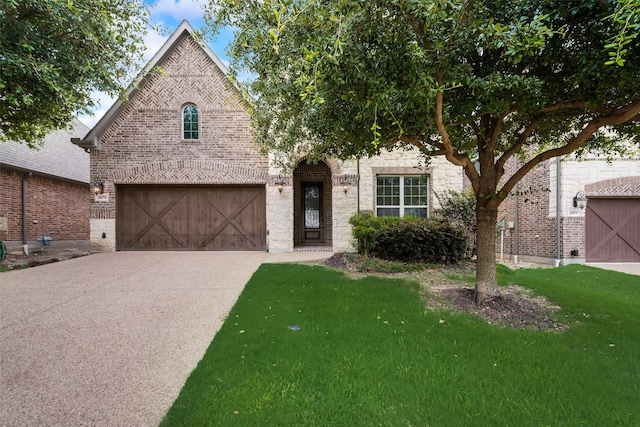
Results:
<point x="181" y="171"/>
<point x="547" y="227"/>
<point x="45" y="190"/>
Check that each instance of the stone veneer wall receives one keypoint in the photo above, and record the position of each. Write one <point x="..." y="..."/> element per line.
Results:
<point x="144" y="144"/>
<point x="442" y="176"/>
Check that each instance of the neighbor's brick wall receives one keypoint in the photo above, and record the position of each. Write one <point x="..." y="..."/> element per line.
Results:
<point x="53" y="204"/>
<point x="537" y="228"/>
<point x="537" y="233"/>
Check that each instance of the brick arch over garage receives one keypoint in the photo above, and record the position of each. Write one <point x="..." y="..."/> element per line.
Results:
<point x="628" y="186"/>
<point x="189" y="172"/>
<point x="611" y="220"/>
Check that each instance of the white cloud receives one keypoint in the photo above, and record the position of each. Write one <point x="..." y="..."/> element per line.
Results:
<point x="179" y="9"/>
<point x="153" y="42"/>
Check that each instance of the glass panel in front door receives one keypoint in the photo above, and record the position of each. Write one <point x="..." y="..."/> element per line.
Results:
<point x="312" y="206"/>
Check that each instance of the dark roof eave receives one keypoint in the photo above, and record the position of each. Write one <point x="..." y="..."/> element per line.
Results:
<point x="42" y="174"/>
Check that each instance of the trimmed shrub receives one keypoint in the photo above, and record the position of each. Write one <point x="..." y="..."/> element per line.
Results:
<point x="421" y="240"/>
<point x="366" y="228"/>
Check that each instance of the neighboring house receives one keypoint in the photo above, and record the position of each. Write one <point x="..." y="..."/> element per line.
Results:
<point x="45" y="190"/>
<point x="181" y="171"/>
<point x="547" y="226"/>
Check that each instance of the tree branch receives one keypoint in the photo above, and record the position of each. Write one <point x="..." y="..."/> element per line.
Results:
<point x="621" y="115"/>
<point x="522" y="138"/>
<point x="451" y="154"/>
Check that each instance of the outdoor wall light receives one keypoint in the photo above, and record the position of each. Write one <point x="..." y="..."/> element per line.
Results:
<point x="97" y="186"/>
<point x="346" y="183"/>
<point x="280" y="183"/>
<point x="580" y="200"/>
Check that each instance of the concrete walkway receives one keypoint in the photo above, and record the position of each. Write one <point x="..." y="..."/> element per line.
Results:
<point x="622" y="267"/>
<point x="110" y="339"/>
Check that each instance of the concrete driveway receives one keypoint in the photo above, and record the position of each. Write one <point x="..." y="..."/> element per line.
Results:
<point x="622" y="267"/>
<point x="110" y="339"/>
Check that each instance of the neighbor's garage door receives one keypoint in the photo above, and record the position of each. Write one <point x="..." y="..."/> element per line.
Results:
<point x="613" y="230"/>
<point x="206" y="218"/>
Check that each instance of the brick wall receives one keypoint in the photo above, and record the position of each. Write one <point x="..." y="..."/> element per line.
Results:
<point x="537" y="217"/>
<point x="51" y="205"/>
<point x="319" y="172"/>
<point x="144" y="145"/>
<point x="536" y="228"/>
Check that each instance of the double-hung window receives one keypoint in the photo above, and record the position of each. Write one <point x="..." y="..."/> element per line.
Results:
<point x="402" y="196"/>
<point x="190" y="122"/>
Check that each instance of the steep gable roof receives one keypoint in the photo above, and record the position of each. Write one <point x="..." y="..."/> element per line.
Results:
<point x="56" y="158"/>
<point x="92" y="138"/>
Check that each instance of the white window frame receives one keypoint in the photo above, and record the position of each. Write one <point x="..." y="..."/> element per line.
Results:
<point x="183" y="130"/>
<point x="402" y="207"/>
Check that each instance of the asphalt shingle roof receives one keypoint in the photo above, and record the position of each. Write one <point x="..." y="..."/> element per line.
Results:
<point x="58" y="157"/>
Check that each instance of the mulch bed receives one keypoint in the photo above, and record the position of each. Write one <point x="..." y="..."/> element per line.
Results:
<point x="516" y="307"/>
<point x="16" y="260"/>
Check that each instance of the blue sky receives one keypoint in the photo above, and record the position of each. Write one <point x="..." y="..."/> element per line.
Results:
<point x="167" y="14"/>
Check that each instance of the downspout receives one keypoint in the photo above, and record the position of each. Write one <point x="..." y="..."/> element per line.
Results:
<point x="25" y="244"/>
<point x="516" y="220"/>
<point x="558" y="211"/>
<point x="358" y="185"/>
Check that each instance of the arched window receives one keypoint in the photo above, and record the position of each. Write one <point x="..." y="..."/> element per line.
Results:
<point x="190" y="122"/>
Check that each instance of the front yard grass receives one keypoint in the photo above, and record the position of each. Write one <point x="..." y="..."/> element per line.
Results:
<point x="369" y="352"/>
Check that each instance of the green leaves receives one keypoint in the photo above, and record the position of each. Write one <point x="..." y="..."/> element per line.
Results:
<point x="349" y="78"/>
<point x="626" y="18"/>
<point x="55" y="53"/>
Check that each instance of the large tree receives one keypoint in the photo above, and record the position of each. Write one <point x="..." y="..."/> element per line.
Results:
<point x="478" y="81"/>
<point x="55" y="53"/>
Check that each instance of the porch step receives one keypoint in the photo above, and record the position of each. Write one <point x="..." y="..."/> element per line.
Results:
<point x="313" y="249"/>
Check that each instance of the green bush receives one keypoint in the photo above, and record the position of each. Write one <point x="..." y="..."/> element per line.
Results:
<point x="421" y="240"/>
<point x="408" y="239"/>
<point x="366" y="228"/>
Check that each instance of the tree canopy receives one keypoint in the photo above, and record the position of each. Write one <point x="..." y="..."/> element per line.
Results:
<point x="627" y="18"/>
<point x="55" y="53"/>
<point x="480" y="82"/>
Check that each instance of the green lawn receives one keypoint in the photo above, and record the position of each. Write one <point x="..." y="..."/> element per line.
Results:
<point x="369" y="353"/>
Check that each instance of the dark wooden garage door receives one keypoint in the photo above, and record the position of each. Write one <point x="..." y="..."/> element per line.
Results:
<point x="613" y="230"/>
<point x="200" y="218"/>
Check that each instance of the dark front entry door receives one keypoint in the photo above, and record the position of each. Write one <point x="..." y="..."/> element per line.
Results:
<point x="312" y="213"/>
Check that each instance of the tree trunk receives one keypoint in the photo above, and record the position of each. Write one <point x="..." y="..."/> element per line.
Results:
<point x="486" y="284"/>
